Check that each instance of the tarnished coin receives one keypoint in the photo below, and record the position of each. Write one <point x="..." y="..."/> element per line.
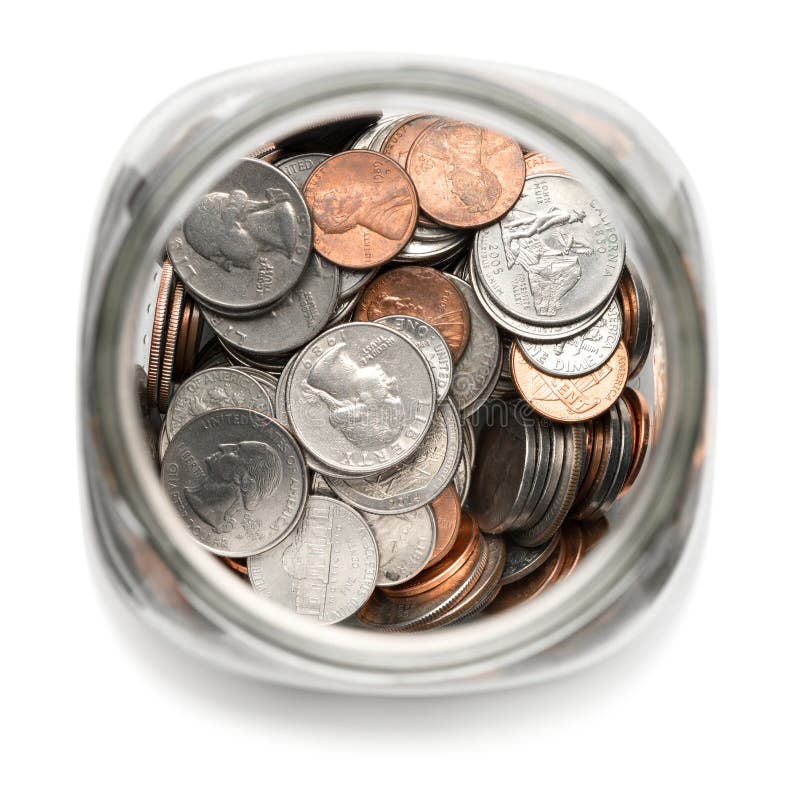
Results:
<point x="361" y="398"/>
<point x="405" y="542"/>
<point x="556" y="258"/>
<point x="422" y="293"/>
<point x="447" y="513"/>
<point x="363" y="206"/>
<point x="414" y="482"/>
<point x="523" y="561"/>
<point x="431" y="345"/>
<point x="238" y="480"/>
<point x="465" y="176"/>
<point x="579" y="355"/>
<point x="571" y="400"/>
<point x="479" y="366"/>
<point x="325" y="569"/>
<point x="246" y="243"/>
<point x="215" y="388"/>
<point x="289" y="323"/>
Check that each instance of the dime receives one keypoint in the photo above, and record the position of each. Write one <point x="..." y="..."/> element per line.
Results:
<point x="157" y="335"/>
<point x="522" y="561"/>
<point x="465" y="176"/>
<point x="579" y="355"/>
<point x="170" y="342"/>
<point x="405" y="542"/>
<point x="637" y="405"/>
<point x="421" y="293"/>
<point x="238" y="480"/>
<point x="215" y="388"/>
<point x="430" y="344"/>
<point x="298" y="168"/>
<point x="479" y="366"/>
<point x="555" y="258"/>
<point x="289" y="323"/>
<point x="363" y="206"/>
<point x="571" y="400"/>
<point x="417" y="480"/>
<point x="361" y="398"/>
<point x="246" y="243"/>
<point x="325" y="569"/>
<point x="447" y="514"/>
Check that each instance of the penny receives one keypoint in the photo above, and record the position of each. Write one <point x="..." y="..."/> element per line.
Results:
<point x="361" y="398"/>
<point x="363" y="207"/>
<point x="289" y="323"/>
<point x="465" y="176"/>
<point x="245" y="244"/>
<point x="238" y="565"/>
<point x="188" y="338"/>
<point x="478" y="369"/>
<point x="325" y="569"/>
<point x="421" y="293"/>
<point x="158" y="333"/>
<point x="581" y="354"/>
<point x="466" y="541"/>
<point x="399" y="142"/>
<point x="571" y="400"/>
<point x="430" y="344"/>
<point x="215" y="388"/>
<point x="446" y="509"/>
<point x="170" y="342"/>
<point x="637" y="318"/>
<point x="405" y="542"/>
<point x="555" y="258"/>
<point x="414" y="482"/>
<point x="237" y="479"/>
<point x="522" y="561"/>
<point x="637" y="406"/>
<point x="572" y="536"/>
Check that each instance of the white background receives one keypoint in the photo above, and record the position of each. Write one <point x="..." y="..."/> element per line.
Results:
<point x="708" y="699"/>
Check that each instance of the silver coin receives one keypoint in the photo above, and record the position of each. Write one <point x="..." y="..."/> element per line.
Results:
<point x="163" y="442"/>
<point x="289" y="323"/>
<point x="215" y="388"/>
<point x="417" y="480"/>
<point x="555" y="258"/>
<point x="522" y="561"/>
<point x="325" y="569"/>
<point x="478" y="364"/>
<point x="352" y="280"/>
<point x="238" y="480"/>
<point x="247" y="241"/>
<point x="361" y="398"/>
<point x="642" y="333"/>
<point x="462" y="480"/>
<point x="267" y="380"/>
<point x="431" y="345"/>
<point x="624" y="457"/>
<point x="298" y="167"/>
<point x="405" y="543"/>
<point x="582" y="354"/>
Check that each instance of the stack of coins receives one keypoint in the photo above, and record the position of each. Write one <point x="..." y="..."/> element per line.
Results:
<point x="390" y="359"/>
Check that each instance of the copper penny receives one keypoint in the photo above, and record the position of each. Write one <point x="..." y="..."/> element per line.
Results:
<point x="422" y="293"/>
<point x="157" y="336"/>
<point x="363" y="208"/>
<point x="466" y="540"/>
<point x="465" y="176"/>
<point x="572" y="534"/>
<point x="447" y="513"/>
<point x="188" y="337"/>
<point x="522" y="591"/>
<point x="171" y="341"/>
<point x="641" y="433"/>
<point x="399" y="143"/>
<point x="593" y="532"/>
<point x="539" y="163"/>
<point x="571" y="400"/>
<point x="238" y="565"/>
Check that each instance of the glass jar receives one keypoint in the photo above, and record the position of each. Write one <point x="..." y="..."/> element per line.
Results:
<point x="142" y="545"/>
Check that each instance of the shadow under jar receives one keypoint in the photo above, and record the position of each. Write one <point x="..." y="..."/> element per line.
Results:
<point x="141" y="543"/>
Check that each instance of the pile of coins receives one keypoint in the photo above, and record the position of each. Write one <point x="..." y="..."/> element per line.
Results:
<point x="389" y="361"/>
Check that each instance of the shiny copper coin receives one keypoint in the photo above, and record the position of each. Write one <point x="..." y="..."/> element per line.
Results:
<point x="158" y="333"/>
<point x="466" y="540"/>
<point x="571" y="400"/>
<point x="170" y="342"/>
<point x="399" y="143"/>
<point x="539" y="163"/>
<point x="188" y="338"/>
<point x="528" y="588"/>
<point x="641" y="433"/>
<point x="238" y="565"/>
<point x="465" y="176"/>
<point x="422" y="293"/>
<point x="390" y="613"/>
<point x="573" y="548"/>
<point x="447" y="513"/>
<point x="363" y="208"/>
